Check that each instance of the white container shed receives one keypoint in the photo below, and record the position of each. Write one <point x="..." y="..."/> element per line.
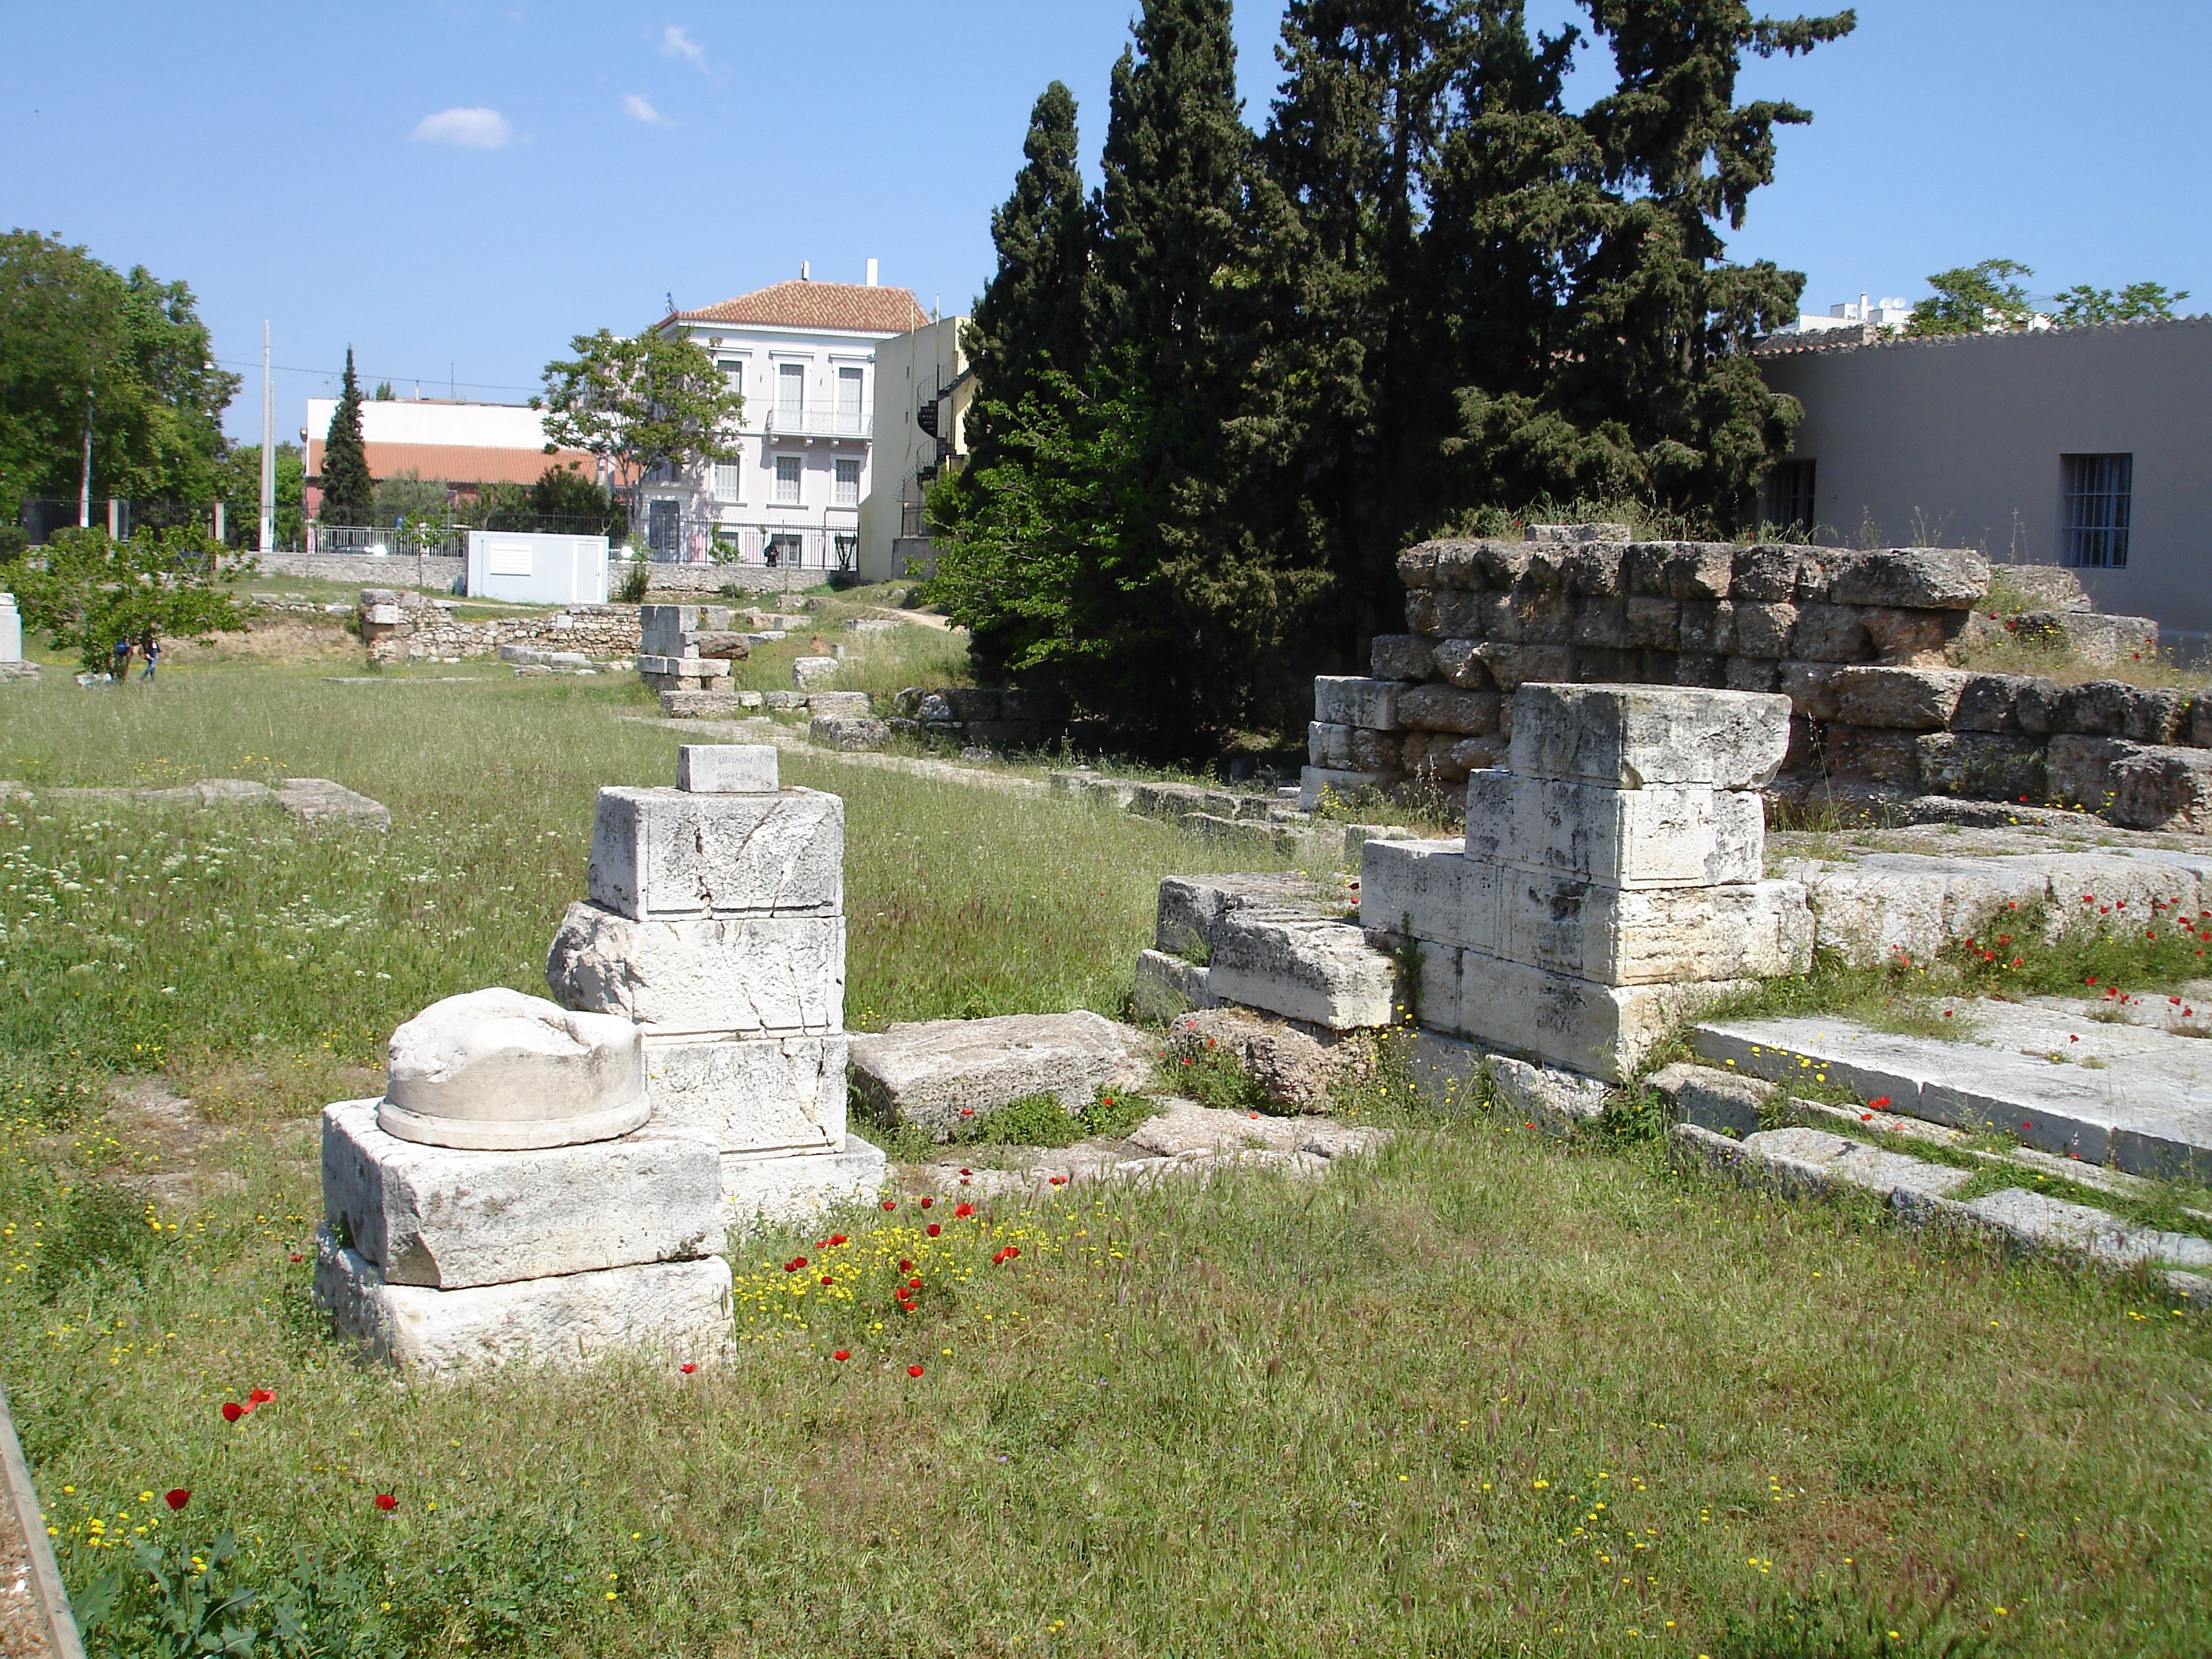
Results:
<point x="534" y="569"/>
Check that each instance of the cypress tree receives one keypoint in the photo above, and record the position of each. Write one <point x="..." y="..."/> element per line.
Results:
<point x="348" y="493"/>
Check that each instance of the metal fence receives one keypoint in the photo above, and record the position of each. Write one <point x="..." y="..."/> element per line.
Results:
<point x="674" y="537"/>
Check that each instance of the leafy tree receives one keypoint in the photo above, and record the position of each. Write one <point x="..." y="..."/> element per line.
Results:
<point x="348" y="491"/>
<point x="2084" y="304"/>
<point x="1972" y="299"/>
<point x="564" y="492"/>
<point x="74" y="332"/>
<point x="641" y="405"/>
<point x="92" y="591"/>
<point x="240" y="487"/>
<point x="409" y="495"/>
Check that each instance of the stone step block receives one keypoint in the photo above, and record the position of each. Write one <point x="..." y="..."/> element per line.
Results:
<point x="1191" y="908"/>
<point x="693" y="704"/>
<point x="445" y="1217"/>
<point x="726" y="769"/>
<point x="2038" y="1221"/>
<point x="1727" y="1102"/>
<point x="1628" y="737"/>
<point x="734" y="976"/>
<point x="690" y="668"/>
<point x="761" y="1096"/>
<point x="669" y="1311"/>
<point x="1602" y="1031"/>
<point x="1319" y="970"/>
<point x="495" y="1069"/>
<point x="2136" y="786"/>
<point x="1355" y="700"/>
<point x="943" y="1074"/>
<point x="673" y="853"/>
<point x="1661" y="835"/>
<point x="1430" y="890"/>
<point x="1165" y="986"/>
<point x="776" y="1191"/>
<point x="1317" y="782"/>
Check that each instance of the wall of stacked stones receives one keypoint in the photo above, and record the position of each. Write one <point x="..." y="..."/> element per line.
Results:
<point x="401" y="627"/>
<point x="1858" y="640"/>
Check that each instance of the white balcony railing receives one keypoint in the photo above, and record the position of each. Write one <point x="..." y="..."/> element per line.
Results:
<point x="817" y="423"/>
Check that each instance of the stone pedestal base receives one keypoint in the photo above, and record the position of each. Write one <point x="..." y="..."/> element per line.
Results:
<point x="777" y="1189"/>
<point x="676" y="1311"/>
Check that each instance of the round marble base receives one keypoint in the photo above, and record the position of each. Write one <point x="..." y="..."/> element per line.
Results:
<point x="511" y="1135"/>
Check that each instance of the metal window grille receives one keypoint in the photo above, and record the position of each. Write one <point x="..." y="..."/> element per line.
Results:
<point x="1789" y="498"/>
<point x="2099" y="500"/>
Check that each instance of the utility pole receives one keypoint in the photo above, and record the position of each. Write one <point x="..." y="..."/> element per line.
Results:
<point x="84" y="481"/>
<point x="268" y="543"/>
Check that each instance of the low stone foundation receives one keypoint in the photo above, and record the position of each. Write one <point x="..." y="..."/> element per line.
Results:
<point x="399" y="625"/>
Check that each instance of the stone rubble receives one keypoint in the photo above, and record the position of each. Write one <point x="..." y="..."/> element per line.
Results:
<point x="399" y="625"/>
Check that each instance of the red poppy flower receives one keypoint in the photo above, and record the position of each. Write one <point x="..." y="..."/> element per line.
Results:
<point x="963" y="1212"/>
<point x="791" y="1267"/>
<point x="933" y="1229"/>
<point x="384" y="1500"/>
<point x="1879" y="1104"/>
<point x="177" y="1496"/>
<point x="259" y="1397"/>
<point x="688" y="1367"/>
<point x="296" y="1256"/>
<point x="891" y="1204"/>
<point x="999" y="1258"/>
<point x="826" y="1279"/>
<point x="1012" y="1252"/>
<point x="913" y="1370"/>
<point x="905" y="1265"/>
<point x="842" y="1355"/>
<point x="927" y="1202"/>
<point x="836" y="1238"/>
<point x="967" y="1172"/>
<point x="1056" y="1181"/>
<point x="232" y="1411"/>
<point x="914" y="1284"/>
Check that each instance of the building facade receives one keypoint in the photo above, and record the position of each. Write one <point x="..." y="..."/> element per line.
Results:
<point x="2089" y="447"/>
<point x="466" y="444"/>
<point x="924" y="389"/>
<point x="802" y="356"/>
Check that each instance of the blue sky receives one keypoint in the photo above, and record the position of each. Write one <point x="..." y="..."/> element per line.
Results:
<point x="457" y="188"/>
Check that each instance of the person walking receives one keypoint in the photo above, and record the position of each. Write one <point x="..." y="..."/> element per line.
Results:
<point x="150" y="648"/>
<point x="120" y="669"/>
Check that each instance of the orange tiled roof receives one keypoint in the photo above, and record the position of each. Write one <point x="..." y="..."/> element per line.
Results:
<point x="819" y="305"/>
<point x="478" y="464"/>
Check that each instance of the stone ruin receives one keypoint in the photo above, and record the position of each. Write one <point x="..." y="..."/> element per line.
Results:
<point x="1858" y="642"/>
<point x="12" y="664"/>
<point x="553" y="1183"/>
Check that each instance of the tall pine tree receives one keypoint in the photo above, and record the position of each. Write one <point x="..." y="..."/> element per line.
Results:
<point x="348" y="493"/>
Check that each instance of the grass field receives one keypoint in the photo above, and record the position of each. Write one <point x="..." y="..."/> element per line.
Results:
<point x="1487" y="1394"/>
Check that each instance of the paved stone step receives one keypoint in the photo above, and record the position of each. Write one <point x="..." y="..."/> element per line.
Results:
<point x="2132" y="1096"/>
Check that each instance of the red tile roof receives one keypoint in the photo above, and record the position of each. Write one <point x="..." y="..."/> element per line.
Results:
<point x="463" y="463"/>
<point x="803" y="304"/>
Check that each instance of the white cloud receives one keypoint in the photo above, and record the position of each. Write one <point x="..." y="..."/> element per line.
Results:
<point x="641" y="109"/>
<point x="466" y="129"/>
<point x="676" y="43"/>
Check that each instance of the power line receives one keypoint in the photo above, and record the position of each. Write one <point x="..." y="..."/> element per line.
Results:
<point x="333" y="374"/>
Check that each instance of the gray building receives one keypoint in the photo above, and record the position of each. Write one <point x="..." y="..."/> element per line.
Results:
<point x="2090" y="447"/>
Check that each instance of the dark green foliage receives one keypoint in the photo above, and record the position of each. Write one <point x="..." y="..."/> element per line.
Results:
<point x="349" y="492"/>
<point x="1042" y="1120"/>
<point x="103" y="1229"/>
<point x="240" y="487"/>
<point x="1428" y="293"/>
<point x="1973" y="298"/>
<point x="70" y="326"/>
<point x="2084" y="304"/>
<point x="564" y="492"/>
<point x="93" y="590"/>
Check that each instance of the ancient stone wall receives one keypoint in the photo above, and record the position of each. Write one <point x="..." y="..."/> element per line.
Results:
<point x="399" y="626"/>
<point x="1858" y="642"/>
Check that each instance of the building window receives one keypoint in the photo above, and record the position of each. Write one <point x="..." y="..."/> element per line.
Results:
<point x="781" y="551"/>
<point x="848" y="483"/>
<point x="790" y="393"/>
<point x="1789" y="507"/>
<point x="734" y="371"/>
<point x="787" y="470"/>
<point x="664" y="528"/>
<point x="2099" y="499"/>
<point x="848" y="401"/>
<point x="725" y="481"/>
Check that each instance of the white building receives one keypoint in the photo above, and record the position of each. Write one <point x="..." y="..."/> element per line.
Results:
<point x="924" y="389"/>
<point x="468" y="445"/>
<point x="1885" y="316"/>
<point x="803" y="355"/>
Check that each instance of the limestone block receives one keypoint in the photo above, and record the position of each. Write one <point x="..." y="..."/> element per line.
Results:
<point x="1640" y="735"/>
<point x="843" y="733"/>
<point x="750" y="976"/>
<point x="775" y="1191"/>
<point x="1166" y="985"/>
<point x="1556" y="1101"/>
<point x="1592" y="567"/>
<point x="1451" y="899"/>
<point x="931" y="1072"/>
<point x="1511" y="665"/>
<point x="1340" y="700"/>
<point x="722" y="643"/>
<point x="1907" y="699"/>
<point x="497" y="1069"/>
<point x="1417" y="565"/>
<point x="1573" y="535"/>
<point x="1314" y="781"/>
<point x="813" y="673"/>
<point x="1763" y="628"/>
<point x="1811" y="689"/>
<point x="1600" y="1030"/>
<point x="1829" y="632"/>
<point x="1302" y="968"/>
<point x="1534" y="616"/>
<point x="674" y="853"/>
<point x="1876" y="754"/>
<point x="661" y="628"/>
<point x="2162" y="789"/>
<point x="676" y="1311"/>
<point x="726" y="769"/>
<point x="1917" y="578"/>
<point x="1653" y="624"/>
<point x="2090" y="636"/>
<point x="1707" y="626"/>
<point x="1767" y="572"/>
<point x="2097" y="708"/>
<point x="1401" y="657"/>
<point x="1447" y="708"/>
<point x="1447" y="757"/>
<point x="1694" y="571"/>
<point x="1726" y="1101"/>
<point x="1460" y="662"/>
<point x="2154" y="717"/>
<point x="768" y="1095"/>
<point x="1601" y="623"/>
<point x="448" y="1217"/>
<point x="1751" y="673"/>
<point x="848" y="705"/>
<point x="707" y="705"/>
<point x="1868" y="911"/>
<point x="1443" y="610"/>
<point x="1700" y="668"/>
<point x="1991" y="702"/>
<point x="1375" y="751"/>
<point x="1329" y="745"/>
<point x="1985" y="765"/>
<point x="1912" y="638"/>
<point x="1814" y="1160"/>
<point x="1662" y="836"/>
<point x="1648" y="937"/>
<point x="2200" y="719"/>
<point x="690" y="668"/>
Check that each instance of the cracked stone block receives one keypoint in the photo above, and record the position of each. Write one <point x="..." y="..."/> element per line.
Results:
<point x="814" y="673"/>
<point x="2038" y="1221"/>
<point x="1631" y="736"/>
<point x="1907" y="699"/>
<point x="1815" y="1160"/>
<point x="1401" y="657"/>
<point x="666" y="1310"/>
<point x="723" y="976"/>
<point x="1317" y="970"/>
<point x="1913" y="577"/>
<point x="1757" y="930"/>
<point x="1726" y="1101"/>
<point x="940" y="1073"/>
<point x="674" y="853"/>
<point x="763" y="1095"/>
<point x="1329" y="745"/>
<point x="777" y="1191"/>
<point x="1558" y="1100"/>
<point x="688" y="668"/>
<point x="1662" y="836"/>
<point x="1297" y="1065"/>
<point x="1448" y="708"/>
<point x="1450" y="898"/>
<point x="495" y="1069"/>
<point x="1192" y="907"/>
<point x="448" y="1217"/>
<point x="1166" y="985"/>
<point x="1342" y="700"/>
<point x="1598" y="1031"/>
